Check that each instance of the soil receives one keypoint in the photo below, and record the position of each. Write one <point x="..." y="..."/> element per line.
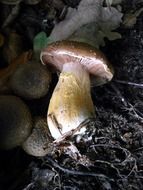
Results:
<point x="112" y="148"/>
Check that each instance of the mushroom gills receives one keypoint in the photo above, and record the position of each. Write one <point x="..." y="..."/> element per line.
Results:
<point x="71" y="101"/>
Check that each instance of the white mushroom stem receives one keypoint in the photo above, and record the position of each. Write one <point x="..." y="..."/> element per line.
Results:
<point x="71" y="102"/>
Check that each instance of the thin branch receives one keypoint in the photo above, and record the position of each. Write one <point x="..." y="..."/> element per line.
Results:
<point x="29" y="186"/>
<point x="119" y="94"/>
<point x="79" y="173"/>
<point x="12" y="15"/>
<point x="129" y="83"/>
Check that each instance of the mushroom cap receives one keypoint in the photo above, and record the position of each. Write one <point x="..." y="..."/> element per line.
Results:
<point x="31" y="81"/>
<point x="15" y="121"/>
<point x="94" y="61"/>
<point x="36" y="144"/>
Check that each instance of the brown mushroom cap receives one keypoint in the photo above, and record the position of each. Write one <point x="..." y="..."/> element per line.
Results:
<point x="36" y="143"/>
<point x="31" y="81"/>
<point x="59" y="53"/>
<point x="15" y="122"/>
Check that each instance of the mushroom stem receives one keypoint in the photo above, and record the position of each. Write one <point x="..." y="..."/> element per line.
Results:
<point x="71" y="101"/>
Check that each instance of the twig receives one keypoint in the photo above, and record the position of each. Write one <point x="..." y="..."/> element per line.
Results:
<point x="127" y="158"/>
<point x="79" y="173"/>
<point x="125" y="151"/>
<point x="134" y="168"/>
<point x="12" y="15"/>
<point x="129" y="83"/>
<point x="111" y="165"/>
<point x="69" y="134"/>
<point x="29" y="186"/>
<point x="133" y="112"/>
<point x="119" y="94"/>
<point x="138" y="149"/>
<point x="128" y="106"/>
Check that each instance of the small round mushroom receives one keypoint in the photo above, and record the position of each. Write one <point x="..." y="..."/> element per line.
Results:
<point x="15" y="122"/>
<point x="71" y="103"/>
<point x="36" y="143"/>
<point x="30" y="81"/>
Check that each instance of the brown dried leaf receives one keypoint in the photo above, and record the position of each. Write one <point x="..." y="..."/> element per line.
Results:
<point x="1" y="40"/>
<point x="13" y="47"/>
<point x="5" y="73"/>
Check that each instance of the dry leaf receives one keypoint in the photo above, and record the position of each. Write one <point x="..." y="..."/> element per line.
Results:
<point x="90" y="23"/>
<point x="13" y="47"/>
<point x="1" y="40"/>
<point x="5" y="73"/>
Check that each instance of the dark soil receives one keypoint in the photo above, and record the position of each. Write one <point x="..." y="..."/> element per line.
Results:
<point x="113" y="142"/>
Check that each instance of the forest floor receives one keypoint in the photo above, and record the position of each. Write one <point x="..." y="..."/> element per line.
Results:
<point x="114" y="141"/>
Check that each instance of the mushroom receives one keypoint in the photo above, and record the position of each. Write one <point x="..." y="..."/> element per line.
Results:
<point x="31" y="80"/>
<point x="80" y="65"/>
<point x="15" y="122"/>
<point x="26" y="77"/>
<point x="18" y="129"/>
<point x="37" y="143"/>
